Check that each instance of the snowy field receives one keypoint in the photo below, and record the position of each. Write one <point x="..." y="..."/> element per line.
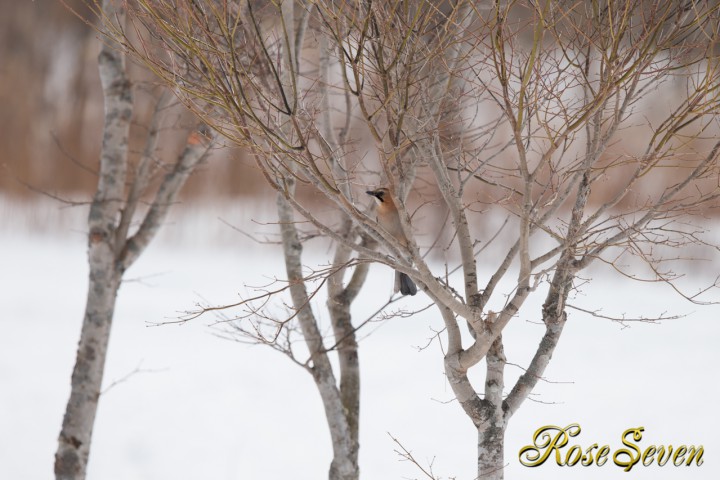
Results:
<point x="203" y="407"/>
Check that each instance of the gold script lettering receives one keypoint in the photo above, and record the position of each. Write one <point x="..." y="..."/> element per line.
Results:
<point x="546" y="440"/>
<point x="693" y="452"/>
<point x="551" y="438"/>
<point x="631" y="460"/>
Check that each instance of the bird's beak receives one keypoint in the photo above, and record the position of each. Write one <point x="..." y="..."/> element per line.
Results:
<point x="372" y="192"/>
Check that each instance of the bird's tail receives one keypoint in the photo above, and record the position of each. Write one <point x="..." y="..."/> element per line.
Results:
<point x="404" y="284"/>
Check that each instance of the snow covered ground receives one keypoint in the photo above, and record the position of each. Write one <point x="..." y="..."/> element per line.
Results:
<point x="203" y="407"/>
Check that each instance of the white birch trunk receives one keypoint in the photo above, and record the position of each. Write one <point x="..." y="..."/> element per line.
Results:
<point x="344" y="462"/>
<point x="75" y="436"/>
<point x="341" y="404"/>
<point x="110" y="250"/>
<point x="491" y="445"/>
<point x="338" y="303"/>
<point x="491" y="429"/>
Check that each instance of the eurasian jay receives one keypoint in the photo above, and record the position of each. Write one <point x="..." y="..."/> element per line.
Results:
<point x="389" y="219"/>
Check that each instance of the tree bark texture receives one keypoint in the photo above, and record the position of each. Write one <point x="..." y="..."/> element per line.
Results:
<point x="75" y="437"/>
<point x="344" y="462"/>
<point x="341" y="403"/>
<point x="74" y="441"/>
<point x="491" y="428"/>
<point x="339" y="301"/>
<point x="491" y="445"/>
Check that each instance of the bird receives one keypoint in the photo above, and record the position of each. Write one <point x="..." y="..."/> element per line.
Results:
<point x="389" y="219"/>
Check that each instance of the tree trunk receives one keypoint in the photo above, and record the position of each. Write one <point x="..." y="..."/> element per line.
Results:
<point x="491" y="444"/>
<point x="341" y="404"/>
<point x="342" y="467"/>
<point x="340" y="299"/>
<point x="491" y="429"/>
<point x="73" y="451"/>
<point x="339" y="308"/>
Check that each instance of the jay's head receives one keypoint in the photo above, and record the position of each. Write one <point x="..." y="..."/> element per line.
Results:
<point x="382" y="195"/>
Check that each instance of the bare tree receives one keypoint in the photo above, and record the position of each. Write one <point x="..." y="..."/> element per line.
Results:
<point x="535" y="109"/>
<point x="113" y="243"/>
<point x="341" y="399"/>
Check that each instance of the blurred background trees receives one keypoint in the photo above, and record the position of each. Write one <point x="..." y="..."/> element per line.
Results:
<point x="52" y="110"/>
